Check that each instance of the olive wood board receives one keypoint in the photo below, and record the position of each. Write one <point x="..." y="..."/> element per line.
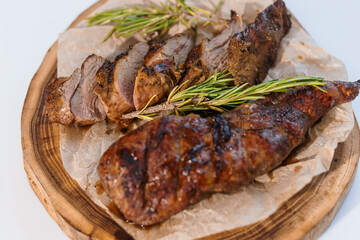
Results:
<point x="305" y="216"/>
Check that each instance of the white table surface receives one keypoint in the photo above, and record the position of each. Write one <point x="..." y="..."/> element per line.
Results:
<point x="29" y="28"/>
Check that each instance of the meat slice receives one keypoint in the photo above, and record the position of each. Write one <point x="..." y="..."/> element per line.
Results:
<point x="171" y="162"/>
<point x="116" y="81"/>
<point x="161" y="70"/>
<point x="253" y="51"/>
<point x="210" y="55"/>
<point x="59" y="93"/>
<point x="85" y="104"/>
<point x="215" y="48"/>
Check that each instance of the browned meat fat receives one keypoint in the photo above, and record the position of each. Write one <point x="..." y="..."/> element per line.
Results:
<point x="116" y="81"/>
<point x="171" y="162"/>
<point x="59" y="93"/>
<point x="85" y="104"/>
<point x="160" y="71"/>
<point x="253" y="51"/>
<point x="210" y="55"/>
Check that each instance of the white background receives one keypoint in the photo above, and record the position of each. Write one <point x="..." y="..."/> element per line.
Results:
<point x="29" y="28"/>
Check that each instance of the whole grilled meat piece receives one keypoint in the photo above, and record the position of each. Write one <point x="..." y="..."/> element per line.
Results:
<point x="171" y="162"/>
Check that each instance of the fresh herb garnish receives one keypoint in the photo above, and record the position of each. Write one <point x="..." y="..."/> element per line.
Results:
<point x="134" y="19"/>
<point x="217" y="94"/>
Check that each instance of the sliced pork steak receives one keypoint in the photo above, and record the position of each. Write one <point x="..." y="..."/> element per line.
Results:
<point x="116" y="81"/>
<point x="253" y="51"/>
<point x="161" y="70"/>
<point x="210" y="55"/>
<point x="85" y="104"/>
<point x="59" y="93"/>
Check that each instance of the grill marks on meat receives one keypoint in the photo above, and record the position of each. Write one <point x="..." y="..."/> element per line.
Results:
<point x="210" y="55"/>
<point x="161" y="70"/>
<point x="85" y="104"/>
<point x="116" y="81"/>
<point x="59" y="93"/>
<point x="105" y="89"/>
<point x="171" y="162"/>
<point x="252" y="52"/>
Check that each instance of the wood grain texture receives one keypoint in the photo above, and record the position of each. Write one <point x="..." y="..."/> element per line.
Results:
<point x="304" y="216"/>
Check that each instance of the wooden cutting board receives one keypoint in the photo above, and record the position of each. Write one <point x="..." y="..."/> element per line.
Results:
<point x="305" y="216"/>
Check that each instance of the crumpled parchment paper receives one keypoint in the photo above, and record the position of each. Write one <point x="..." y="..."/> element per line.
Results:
<point x="298" y="55"/>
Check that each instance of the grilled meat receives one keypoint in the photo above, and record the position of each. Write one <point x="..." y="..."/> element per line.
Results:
<point x="59" y="93"/>
<point x="160" y="71"/>
<point x="114" y="89"/>
<point x="116" y="81"/>
<point x="253" y="51"/>
<point x="85" y="104"/>
<point x="210" y="55"/>
<point x="171" y="162"/>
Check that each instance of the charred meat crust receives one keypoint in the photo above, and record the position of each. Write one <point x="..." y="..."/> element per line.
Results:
<point x="195" y="69"/>
<point x="253" y="51"/>
<point x="153" y="50"/>
<point x="161" y="70"/>
<point x="210" y="54"/>
<point x="59" y="94"/>
<point x="153" y="81"/>
<point x="171" y="162"/>
<point x="116" y="80"/>
<point x="105" y="90"/>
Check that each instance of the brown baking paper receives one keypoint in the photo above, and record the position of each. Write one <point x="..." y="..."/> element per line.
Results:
<point x="298" y="55"/>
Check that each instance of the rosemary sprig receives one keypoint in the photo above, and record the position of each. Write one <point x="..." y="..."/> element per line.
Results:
<point x="134" y="19"/>
<point x="216" y="94"/>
